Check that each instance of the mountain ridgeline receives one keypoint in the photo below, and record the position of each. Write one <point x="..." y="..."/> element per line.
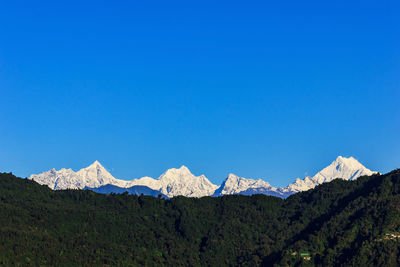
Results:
<point x="338" y="223"/>
<point x="181" y="182"/>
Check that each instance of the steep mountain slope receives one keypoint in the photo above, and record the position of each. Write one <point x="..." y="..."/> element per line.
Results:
<point x="360" y="227"/>
<point x="344" y="168"/>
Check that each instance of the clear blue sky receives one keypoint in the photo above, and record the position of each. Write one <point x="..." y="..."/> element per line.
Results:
<point x="263" y="89"/>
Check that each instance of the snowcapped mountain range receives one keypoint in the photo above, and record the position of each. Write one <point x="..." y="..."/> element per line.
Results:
<point x="181" y="182"/>
<point x="174" y="182"/>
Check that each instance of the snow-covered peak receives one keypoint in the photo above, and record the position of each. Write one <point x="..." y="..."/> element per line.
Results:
<point x="94" y="169"/>
<point x="96" y="164"/>
<point x="94" y="175"/>
<point x="350" y="162"/>
<point x="233" y="179"/>
<point x="178" y="182"/>
<point x="234" y="184"/>
<point x="299" y="185"/>
<point x="52" y="177"/>
<point x="174" y="182"/>
<point x="344" y="168"/>
<point x="181" y="181"/>
<point x="184" y="168"/>
<point x="182" y="171"/>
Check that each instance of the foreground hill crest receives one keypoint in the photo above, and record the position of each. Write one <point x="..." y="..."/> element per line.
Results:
<point x="341" y="223"/>
<point x="181" y="182"/>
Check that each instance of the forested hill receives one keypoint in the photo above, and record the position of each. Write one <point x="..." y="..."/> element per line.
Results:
<point x="337" y="223"/>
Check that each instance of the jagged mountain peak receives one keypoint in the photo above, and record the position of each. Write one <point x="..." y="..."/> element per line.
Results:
<point x="183" y="170"/>
<point x="174" y="182"/>
<point x="234" y="184"/>
<point x="344" y="168"/>
<point x="350" y="161"/>
<point x="181" y="182"/>
<point x="96" y="171"/>
<point x="95" y="165"/>
<point x="231" y="178"/>
<point x="180" y="174"/>
<point x="93" y="176"/>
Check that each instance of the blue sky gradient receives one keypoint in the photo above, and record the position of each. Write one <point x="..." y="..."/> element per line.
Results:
<point x="264" y="89"/>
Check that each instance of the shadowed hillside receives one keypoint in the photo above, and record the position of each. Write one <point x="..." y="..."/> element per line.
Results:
<point x="337" y="223"/>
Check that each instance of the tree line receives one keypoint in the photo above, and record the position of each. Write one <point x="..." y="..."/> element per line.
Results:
<point x="337" y="223"/>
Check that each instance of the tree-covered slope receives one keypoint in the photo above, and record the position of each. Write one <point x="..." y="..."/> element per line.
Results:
<point x="338" y="223"/>
<point x="361" y="226"/>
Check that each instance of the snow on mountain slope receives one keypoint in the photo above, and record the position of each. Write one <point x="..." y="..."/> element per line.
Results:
<point x="57" y="179"/>
<point x="96" y="175"/>
<point x="234" y="184"/>
<point x="344" y="168"/>
<point x="178" y="182"/>
<point x="174" y="182"/>
<point x="181" y="182"/>
<point x="93" y="176"/>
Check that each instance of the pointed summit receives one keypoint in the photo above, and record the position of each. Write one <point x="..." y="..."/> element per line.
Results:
<point x="96" y="172"/>
<point x="183" y="168"/>
<point x="95" y="164"/>
<point x="343" y="168"/>
<point x="232" y="177"/>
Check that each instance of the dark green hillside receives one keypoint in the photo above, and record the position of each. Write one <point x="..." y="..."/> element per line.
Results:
<point x="340" y="223"/>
